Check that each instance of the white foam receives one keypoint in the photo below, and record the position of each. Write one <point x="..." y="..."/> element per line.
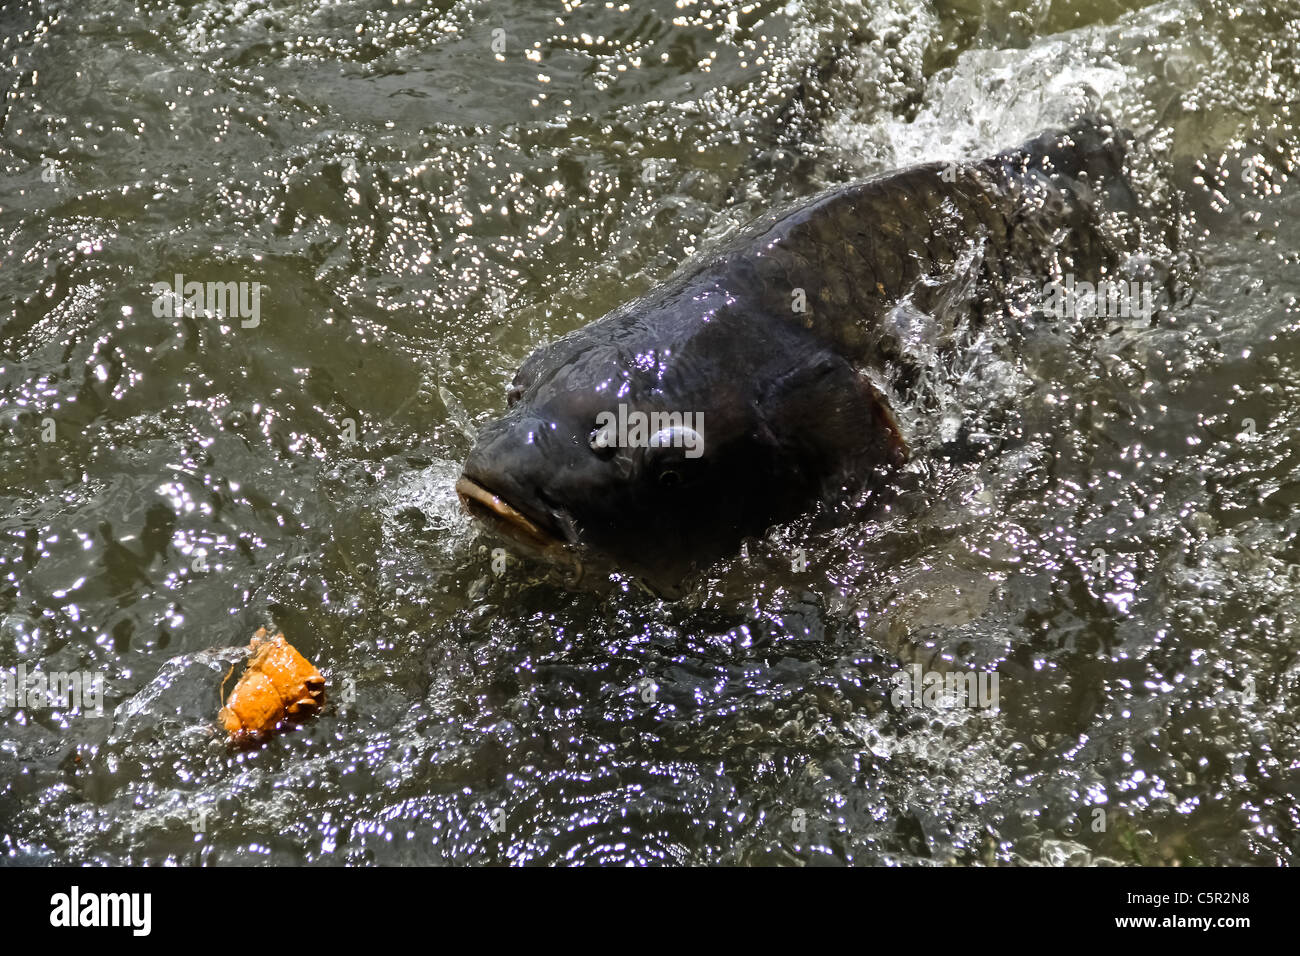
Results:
<point x="988" y="101"/>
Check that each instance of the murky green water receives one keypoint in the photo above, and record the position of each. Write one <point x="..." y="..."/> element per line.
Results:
<point x="427" y="192"/>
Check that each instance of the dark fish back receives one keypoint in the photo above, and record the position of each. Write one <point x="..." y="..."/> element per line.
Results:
<point x="850" y="254"/>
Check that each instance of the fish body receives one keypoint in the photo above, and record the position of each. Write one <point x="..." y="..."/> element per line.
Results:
<point x="770" y="345"/>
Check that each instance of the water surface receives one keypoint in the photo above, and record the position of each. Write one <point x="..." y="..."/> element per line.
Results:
<point x="427" y="192"/>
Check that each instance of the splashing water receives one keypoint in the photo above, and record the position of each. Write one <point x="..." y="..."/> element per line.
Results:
<point x="1103" y="514"/>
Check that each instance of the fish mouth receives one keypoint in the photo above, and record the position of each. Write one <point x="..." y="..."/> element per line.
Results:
<point x="496" y="512"/>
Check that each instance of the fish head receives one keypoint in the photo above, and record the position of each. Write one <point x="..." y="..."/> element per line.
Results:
<point x="656" y="446"/>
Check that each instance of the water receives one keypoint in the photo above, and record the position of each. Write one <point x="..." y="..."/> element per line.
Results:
<point x="421" y="209"/>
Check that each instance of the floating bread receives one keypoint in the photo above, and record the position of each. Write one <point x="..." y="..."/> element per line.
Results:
<point x="279" y="684"/>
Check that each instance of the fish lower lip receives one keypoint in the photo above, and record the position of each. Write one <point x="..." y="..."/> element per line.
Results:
<point x="481" y="502"/>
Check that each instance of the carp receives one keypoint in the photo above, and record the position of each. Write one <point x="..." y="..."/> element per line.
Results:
<point x="745" y="390"/>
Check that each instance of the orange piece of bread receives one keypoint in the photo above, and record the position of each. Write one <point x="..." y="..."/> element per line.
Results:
<point x="278" y="684"/>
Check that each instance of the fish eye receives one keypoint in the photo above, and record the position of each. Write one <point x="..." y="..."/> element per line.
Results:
<point x="670" y="478"/>
<point x="603" y="443"/>
<point x="523" y="379"/>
